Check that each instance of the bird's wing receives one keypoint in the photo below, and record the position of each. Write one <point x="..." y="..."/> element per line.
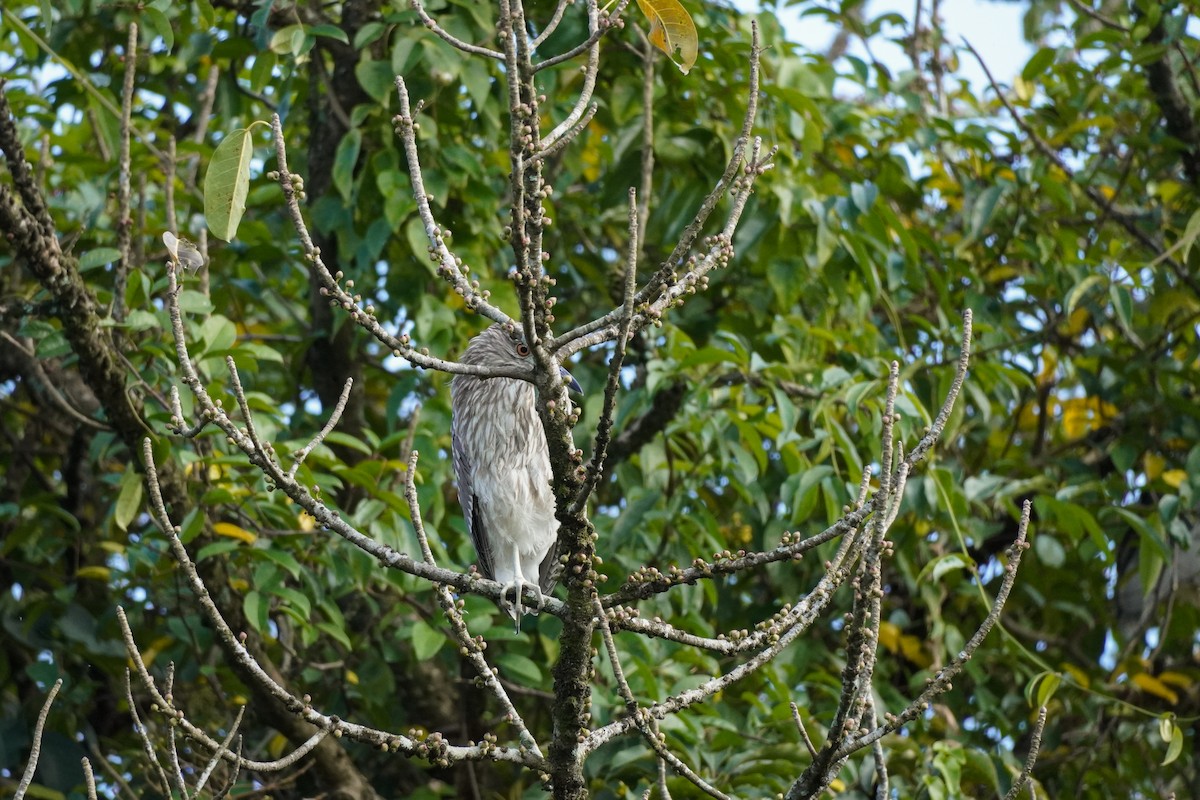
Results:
<point x="549" y="569"/>
<point x="472" y="513"/>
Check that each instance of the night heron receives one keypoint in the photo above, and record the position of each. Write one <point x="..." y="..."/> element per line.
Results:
<point x="503" y="468"/>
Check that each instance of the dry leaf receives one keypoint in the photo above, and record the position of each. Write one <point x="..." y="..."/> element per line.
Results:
<point x="671" y="29"/>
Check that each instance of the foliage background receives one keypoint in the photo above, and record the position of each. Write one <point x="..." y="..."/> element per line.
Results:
<point x="899" y="199"/>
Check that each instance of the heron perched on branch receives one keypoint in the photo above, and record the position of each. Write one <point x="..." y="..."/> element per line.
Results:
<point x="503" y="468"/>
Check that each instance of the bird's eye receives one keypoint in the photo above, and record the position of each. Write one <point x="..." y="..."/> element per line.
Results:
<point x="522" y="349"/>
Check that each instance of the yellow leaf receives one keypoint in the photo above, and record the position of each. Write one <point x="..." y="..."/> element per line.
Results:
<point x="306" y="522"/>
<point x="1077" y="321"/>
<point x="233" y="532"/>
<point x="671" y="29"/>
<point x="1174" y="477"/>
<point x="1154" y="464"/>
<point x="1079" y="676"/>
<point x="1083" y="414"/>
<point x="1049" y="367"/>
<point x="889" y="636"/>
<point x="98" y="573"/>
<point x="150" y="653"/>
<point x="277" y="745"/>
<point x="1152" y="685"/>
<point x="352" y="677"/>
<point x="913" y="649"/>
<point x="1176" y="679"/>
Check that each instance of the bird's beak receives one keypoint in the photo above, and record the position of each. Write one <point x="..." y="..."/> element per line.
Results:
<point x="572" y="383"/>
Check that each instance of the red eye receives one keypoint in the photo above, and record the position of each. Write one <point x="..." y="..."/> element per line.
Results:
<point x="522" y="349"/>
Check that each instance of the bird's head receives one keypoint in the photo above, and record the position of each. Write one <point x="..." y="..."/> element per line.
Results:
<point x="497" y="347"/>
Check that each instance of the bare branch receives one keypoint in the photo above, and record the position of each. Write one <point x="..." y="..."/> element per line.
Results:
<point x="573" y="340"/>
<point x="138" y="726"/>
<point x="647" y="726"/>
<point x="436" y="750"/>
<point x="124" y="220"/>
<point x="1035" y="746"/>
<point x="451" y="39"/>
<point x="89" y="778"/>
<point x="574" y="121"/>
<point x="777" y="636"/>
<point x="605" y="23"/>
<point x="365" y="318"/>
<point x="301" y="454"/>
<point x="450" y="266"/>
<point x="552" y="25"/>
<point x="812" y="751"/>
<point x="941" y="682"/>
<point x="604" y="425"/>
<point x="216" y="757"/>
<point x="35" y="750"/>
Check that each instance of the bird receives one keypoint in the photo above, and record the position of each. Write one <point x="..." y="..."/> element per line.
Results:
<point x="502" y="464"/>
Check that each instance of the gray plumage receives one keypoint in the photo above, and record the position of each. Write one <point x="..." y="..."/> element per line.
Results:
<point x="503" y="467"/>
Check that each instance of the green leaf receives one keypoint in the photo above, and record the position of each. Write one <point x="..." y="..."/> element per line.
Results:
<point x="129" y="501"/>
<point x="522" y="668"/>
<point x="1175" y="747"/>
<point x="337" y="632"/>
<point x="376" y="78"/>
<point x="217" y="548"/>
<point x="1122" y="300"/>
<point x="156" y="22"/>
<point x="289" y="41"/>
<point x="344" y="161"/>
<point x="330" y="32"/>
<point x="217" y="334"/>
<point x="950" y="562"/>
<point x="368" y="33"/>
<point x="981" y="214"/>
<point x="296" y="601"/>
<point x="1036" y="65"/>
<point x="255" y="607"/>
<point x="226" y="184"/>
<point x="426" y="641"/>
<point x="1078" y="291"/>
<point x="1046" y="687"/>
<point x="1190" y="232"/>
<point x="98" y="258"/>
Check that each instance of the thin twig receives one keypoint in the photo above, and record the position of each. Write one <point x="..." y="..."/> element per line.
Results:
<point x="552" y="25"/>
<point x="124" y="220"/>
<point x="216" y="757"/>
<point x="339" y="407"/>
<point x="35" y="750"/>
<point x="469" y="647"/>
<point x="450" y="266"/>
<point x="45" y="383"/>
<point x="582" y="336"/>
<point x="812" y="751"/>
<point x="451" y="39"/>
<point x="605" y="24"/>
<point x="1035" y="746"/>
<point x="574" y="121"/>
<point x="89" y="779"/>
<point x="641" y="718"/>
<point x="595" y="467"/>
<point x="941" y="682"/>
<point x="140" y="728"/>
<point x="401" y="346"/>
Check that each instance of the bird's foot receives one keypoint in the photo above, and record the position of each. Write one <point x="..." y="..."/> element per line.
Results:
<point x="516" y="609"/>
